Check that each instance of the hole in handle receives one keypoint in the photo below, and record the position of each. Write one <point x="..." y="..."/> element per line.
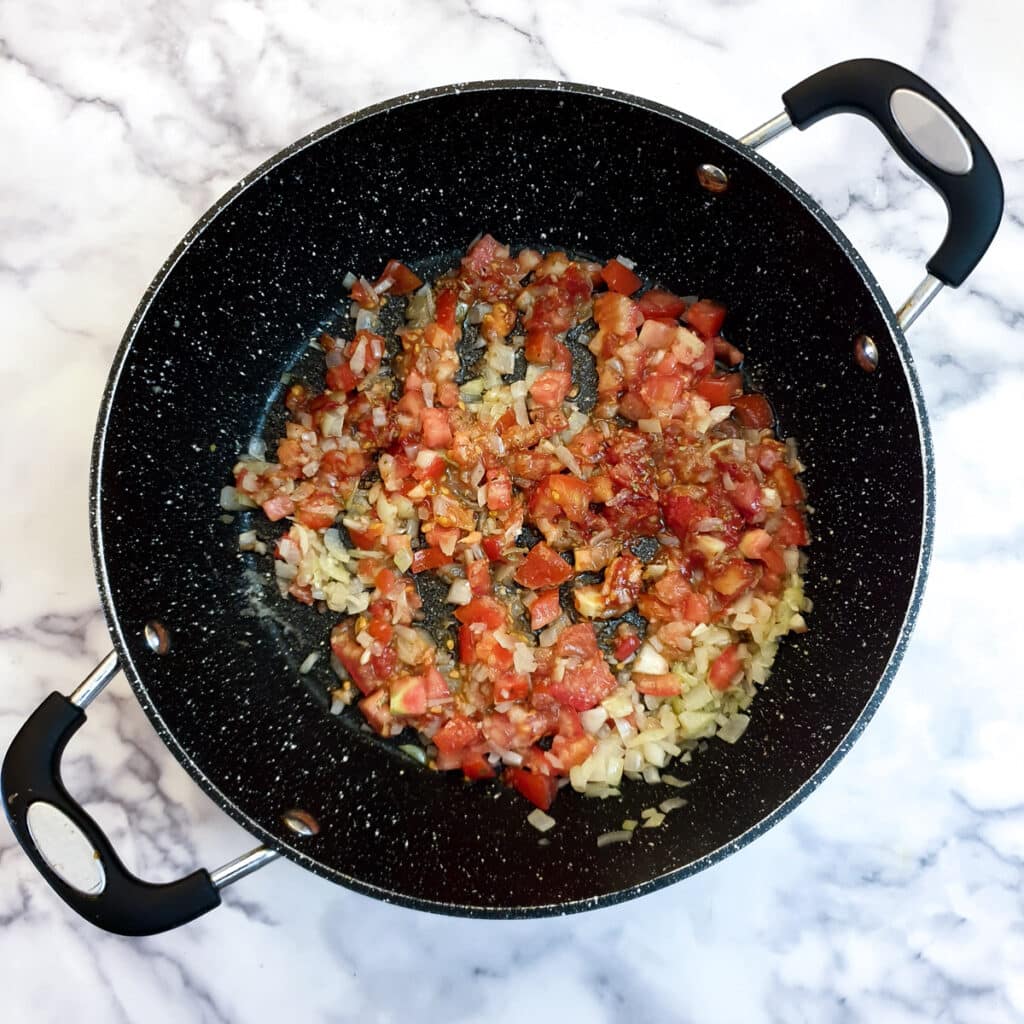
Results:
<point x="930" y="130"/>
<point x="64" y="847"/>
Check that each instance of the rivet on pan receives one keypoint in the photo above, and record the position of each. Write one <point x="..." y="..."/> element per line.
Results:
<point x="865" y="351"/>
<point x="301" y="822"/>
<point x="157" y="637"/>
<point x="713" y="178"/>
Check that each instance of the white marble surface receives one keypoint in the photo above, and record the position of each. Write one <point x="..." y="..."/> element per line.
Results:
<point x="895" y="893"/>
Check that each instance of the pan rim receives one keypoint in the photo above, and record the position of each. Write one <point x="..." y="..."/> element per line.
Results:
<point x="296" y="854"/>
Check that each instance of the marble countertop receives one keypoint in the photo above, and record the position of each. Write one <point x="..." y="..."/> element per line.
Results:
<point x="894" y="893"/>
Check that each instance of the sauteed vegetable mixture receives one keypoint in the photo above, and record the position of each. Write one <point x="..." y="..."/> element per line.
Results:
<point x="619" y="569"/>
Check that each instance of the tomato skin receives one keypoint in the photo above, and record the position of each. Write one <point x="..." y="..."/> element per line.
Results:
<point x="705" y="317"/>
<point x="403" y="279"/>
<point x="445" y="310"/>
<point x="585" y="686"/>
<point x="341" y="378"/>
<point x="626" y="647"/>
<point x="724" y="668"/>
<point x="721" y="390"/>
<point x="657" y="304"/>
<point x="429" y="558"/>
<point x="792" y="528"/>
<point x="478" y="573"/>
<point x="456" y="734"/>
<point x="753" y="411"/>
<point x="499" y="490"/>
<point x="493" y="549"/>
<point x="467" y="646"/>
<point x="437" y="432"/>
<point x="539" y="789"/>
<point x="510" y="686"/>
<point x="783" y="480"/>
<point x="542" y="568"/>
<point x="545" y="609"/>
<point x="620" y="278"/>
<point x="550" y="388"/>
<point x="318" y="511"/>
<point x="475" y="766"/>
<point x="657" y="685"/>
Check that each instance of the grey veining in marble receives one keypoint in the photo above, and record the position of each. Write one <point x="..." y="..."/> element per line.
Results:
<point x="895" y="893"/>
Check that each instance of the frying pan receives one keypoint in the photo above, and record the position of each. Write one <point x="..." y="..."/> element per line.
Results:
<point x="213" y="655"/>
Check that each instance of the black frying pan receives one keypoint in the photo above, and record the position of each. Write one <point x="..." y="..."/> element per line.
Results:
<point x="534" y="163"/>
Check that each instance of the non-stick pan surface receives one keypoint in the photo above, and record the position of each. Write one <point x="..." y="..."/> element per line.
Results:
<point x="200" y="373"/>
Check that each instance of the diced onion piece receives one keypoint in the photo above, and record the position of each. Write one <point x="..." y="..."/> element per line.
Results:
<point x="308" y="662"/>
<point x="649" y="426"/>
<point x="608" y="838"/>
<point x="734" y="728"/>
<point x="649" y="661"/>
<point x="522" y="416"/>
<point x="593" y="719"/>
<point x="459" y="592"/>
<point x="523" y="659"/>
<point x="567" y="459"/>
<point x="672" y="780"/>
<point x="348" y="280"/>
<point x="540" y="821"/>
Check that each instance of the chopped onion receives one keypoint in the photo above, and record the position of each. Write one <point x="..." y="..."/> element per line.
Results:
<point x="502" y="358"/>
<point x="649" y="426"/>
<point x="672" y="780"/>
<point x="673" y="803"/>
<point x="229" y="500"/>
<point x="429" y="389"/>
<point x="380" y="416"/>
<point x="593" y="719"/>
<point x="365" y="320"/>
<point x="403" y="559"/>
<point x="417" y="753"/>
<point x="734" y="728"/>
<point x="567" y="459"/>
<point x="649" y="661"/>
<point x="625" y="261"/>
<point x="459" y="592"/>
<point x="523" y="659"/>
<point x="607" y="838"/>
<point x="540" y="821"/>
<point x="308" y="662"/>
<point x="522" y="416"/>
<point x="348" y="280"/>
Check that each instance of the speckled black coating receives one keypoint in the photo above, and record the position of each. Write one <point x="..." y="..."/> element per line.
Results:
<point x="233" y="309"/>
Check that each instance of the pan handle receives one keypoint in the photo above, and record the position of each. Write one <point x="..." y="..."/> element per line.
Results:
<point x="52" y="828"/>
<point x="930" y="135"/>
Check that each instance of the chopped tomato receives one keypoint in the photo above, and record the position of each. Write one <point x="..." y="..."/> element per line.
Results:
<point x="493" y="549"/>
<point x="403" y="280"/>
<point x="499" y="490"/>
<point x="478" y="572"/>
<point x="550" y="388"/>
<point x="753" y="411"/>
<point x="660" y="392"/>
<point x="539" y="789"/>
<point x="542" y="568"/>
<point x="577" y="641"/>
<point x="545" y="609"/>
<point x="572" y="751"/>
<point x="436" y="687"/>
<point x="792" y="528"/>
<point x="661" y="305"/>
<point x="705" y="317"/>
<point x="783" y="480"/>
<point x="341" y="378"/>
<point x="585" y="686"/>
<point x="733" y="578"/>
<point x="445" y="310"/>
<point x="430" y="558"/>
<point x="364" y="295"/>
<point x="437" y="433"/>
<point x="467" y="645"/>
<point x="724" y="668"/>
<point x="408" y="695"/>
<point x="278" y="507"/>
<point x="657" y="685"/>
<point x="487" y="610"/>
<point x="626" y="647"/>
<point x="318" y="511"/>
<point x="620" y="278"/>
<point x="757" y="545"/>
<point x="493" y="654"/>
<point x="721" y="390"/>
<point x="443" y="537"/>
<point x="561" y="493"/>
<point x="510" y="686"/>
<point x="476" y="766"/>
<point x="680" y="512"/>
<point x="456" y="734"/>
<point x="377" y="712"/>
<point x="540" y="346"/>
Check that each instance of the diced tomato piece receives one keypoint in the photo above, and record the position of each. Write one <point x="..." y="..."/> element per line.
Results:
<point x="408" y="695"/>
<point x="753" y="411"/>
<point x="660" y="392"/>
<point x="278" y="507"/>
<point x="658" y="335"/>
<point x="483" y="252"/>
<point x="545" y="609"/>
<point x="572" y="751"/>
<point x="783" y="480"/>
<point x="499" y="490"/>
<point x="437" y="433"/>
<point x="476" y="766"/>
<point x="620" y="278"/>
<point x="542" y="568"/>
<point x="724" y="668"/>
<point x="696" y="608"/>
<point x="757" y="545"/>
<point x="705" y="317"/>
<point x="680" y="512"/>
<point x="444" y="537"/>
<point x="341" y="378"/>
<point x="726" y="352"/>
<point x="626" y="647"/>
<point x="746" y="496"/>
<point x="349" y="654"/>
<point x="467" y="645"/>
<point x="445" y="310"/>
<point x="364" y="295"/>
<point x="540" y="346"/>
<point x="792" y="528"/>
<point x="493" y="549"/>
<point x="657" y="685"/>
<point x="732" y="578"/>
<point x="662" y="305"/>
<point x="318" y="511"/>
<point x="550" y="388"/>
<point x="431" y="468"/>
<point x="539" y="789"/>
<point x="482" y="609"/>
<point x="478" y="573"/>
<point x="584" y="686"/>
<point x="365" y="540"/>
<point x="377" y="712"/>
<point x="577" y="641"/>
<point x="721" y="390"/>
<point x="561" y="493"/>
<point x="430" y="558"/>
<point x="492" y="654"/>
<point x="403" y="280"/>
<point x="456" y="734"/>
<point x="344" y="462"/>
<point x="436" y="687"/>
<point x="510" y="686"/>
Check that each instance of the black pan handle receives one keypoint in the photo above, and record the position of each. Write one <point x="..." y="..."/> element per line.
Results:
<point x="109" y="895"/>
<point x="930" y="135"/>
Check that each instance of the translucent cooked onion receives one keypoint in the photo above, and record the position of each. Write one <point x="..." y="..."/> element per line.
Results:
<point x="609" y="838"/>
<point x="540" y="821"/>
<point x="308" y="662"/>
<point x="460" y="592"/>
